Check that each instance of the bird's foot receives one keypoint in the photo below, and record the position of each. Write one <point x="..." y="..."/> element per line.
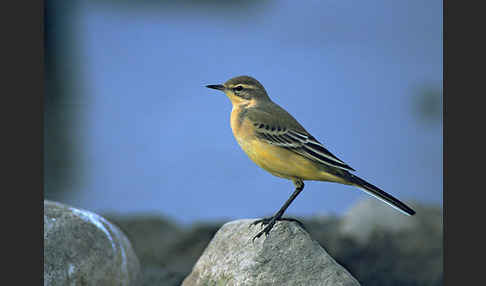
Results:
<point x="269" y="223"/>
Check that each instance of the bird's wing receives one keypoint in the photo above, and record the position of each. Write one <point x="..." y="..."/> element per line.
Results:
<point x="291" y="135"/>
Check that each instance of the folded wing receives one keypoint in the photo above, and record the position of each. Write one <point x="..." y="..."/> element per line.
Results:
<point x="300" y="143"/>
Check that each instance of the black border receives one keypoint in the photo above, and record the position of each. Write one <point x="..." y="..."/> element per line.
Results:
<point x="463" y="206"/>
<point x="22" y="122"/>
<point x="41" y="119"/>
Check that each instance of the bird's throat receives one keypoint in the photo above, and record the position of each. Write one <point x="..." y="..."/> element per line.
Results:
<point x="237" y="116"/>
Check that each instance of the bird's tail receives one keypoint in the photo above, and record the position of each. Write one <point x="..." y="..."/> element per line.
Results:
<point x="381" y="195"/>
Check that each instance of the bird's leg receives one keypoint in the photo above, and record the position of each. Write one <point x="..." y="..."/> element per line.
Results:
<point x="270" y="221"/>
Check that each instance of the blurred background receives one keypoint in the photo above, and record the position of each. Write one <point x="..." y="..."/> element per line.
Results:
<point x="130" y="127"/>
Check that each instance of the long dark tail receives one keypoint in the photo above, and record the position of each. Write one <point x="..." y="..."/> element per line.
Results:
<point x="381" y="195"/>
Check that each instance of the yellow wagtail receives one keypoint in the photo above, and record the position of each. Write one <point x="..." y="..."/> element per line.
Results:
<point x="276" y="142"/>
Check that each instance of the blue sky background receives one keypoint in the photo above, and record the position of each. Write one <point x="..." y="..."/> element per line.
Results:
<point x="154" y="139"/>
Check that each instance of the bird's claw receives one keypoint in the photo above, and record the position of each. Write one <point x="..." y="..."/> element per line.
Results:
<point x="263" y="221"/>
<point x="269" y="223"/>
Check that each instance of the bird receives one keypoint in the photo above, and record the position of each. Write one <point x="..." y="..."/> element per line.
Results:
<point x="275" y="141"/>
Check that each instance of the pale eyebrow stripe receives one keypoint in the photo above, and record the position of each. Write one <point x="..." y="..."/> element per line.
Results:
<point x="244" y="85"/>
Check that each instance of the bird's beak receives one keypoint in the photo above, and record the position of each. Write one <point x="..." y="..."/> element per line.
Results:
<point x="216" y="86"/>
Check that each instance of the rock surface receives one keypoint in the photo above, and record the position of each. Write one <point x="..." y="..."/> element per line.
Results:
<point x="374" y="249"/>
<point x="83" y="248"/>
<point x="161" y="244"/>
<point x="288" y="256"/>
<point x="371" y="215"/>
<point x="381" y="246"/>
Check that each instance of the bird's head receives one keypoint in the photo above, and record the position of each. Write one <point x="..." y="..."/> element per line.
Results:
<point x="243" y="90"/>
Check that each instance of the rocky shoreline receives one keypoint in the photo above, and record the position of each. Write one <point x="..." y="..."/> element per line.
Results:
<point x="371" y="244"/>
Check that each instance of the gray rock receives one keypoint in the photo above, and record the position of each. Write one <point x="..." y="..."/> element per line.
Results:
<point x="160" y="244"/>
<point x="288" y="256"/>
<point x="157" y="276"/>
<point x="152" y="237"/>
<point x="83" y="248"/>
<point x="384" y="247"/>
<point x="370" y="215"/>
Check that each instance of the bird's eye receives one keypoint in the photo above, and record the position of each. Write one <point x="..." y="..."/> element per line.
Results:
<point x="238" y="88"/>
